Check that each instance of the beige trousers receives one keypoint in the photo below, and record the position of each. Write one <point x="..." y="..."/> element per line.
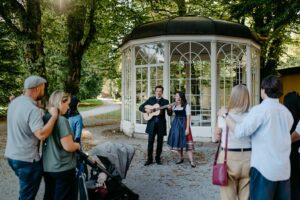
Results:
<point x="238" y="175"/>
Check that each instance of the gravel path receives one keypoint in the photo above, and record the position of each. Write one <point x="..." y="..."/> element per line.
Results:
<point x="168" y="181"/>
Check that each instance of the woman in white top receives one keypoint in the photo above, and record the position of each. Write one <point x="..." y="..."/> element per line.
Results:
<point x="239" y="150"/>
<point x="180" y="136"/>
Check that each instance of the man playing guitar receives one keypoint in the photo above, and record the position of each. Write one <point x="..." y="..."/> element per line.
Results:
<point x="156" y="125"/>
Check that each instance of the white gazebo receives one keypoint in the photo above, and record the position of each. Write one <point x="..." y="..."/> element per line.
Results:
<point x="200" y="56"/>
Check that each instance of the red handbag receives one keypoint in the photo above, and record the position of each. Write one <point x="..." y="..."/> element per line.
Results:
<point x="220" y="169"/>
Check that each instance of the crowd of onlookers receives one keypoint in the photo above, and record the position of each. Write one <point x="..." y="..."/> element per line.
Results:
<point x="262" y="151"/>
<point x="263" y="145"/>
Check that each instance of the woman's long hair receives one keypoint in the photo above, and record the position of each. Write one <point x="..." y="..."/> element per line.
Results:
<point x="183" y="98"/>
<point x="73" y="111"/>
<point x="239" y="99"/>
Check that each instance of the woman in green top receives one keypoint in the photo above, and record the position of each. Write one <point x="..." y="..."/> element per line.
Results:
<point x="59" y="159"/>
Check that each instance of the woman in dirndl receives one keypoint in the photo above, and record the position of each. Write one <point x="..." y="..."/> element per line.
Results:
<point x="180" y="136"/>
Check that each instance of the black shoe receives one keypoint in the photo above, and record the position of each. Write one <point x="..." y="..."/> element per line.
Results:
<point x="193" y="165"/>
<point x="148" y="162"/>
<point x="158" y="162"/>
<point x="179" y="162"/>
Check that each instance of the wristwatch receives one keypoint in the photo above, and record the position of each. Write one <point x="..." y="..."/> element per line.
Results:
<point x="225" y="115"/>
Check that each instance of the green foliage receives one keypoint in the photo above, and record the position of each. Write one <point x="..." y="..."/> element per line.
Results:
<point x="91" y="83"/>
<point x="12" y="71"/>
<point x="55" y="42"/>
<point x="98" y="57"/>
<point x="273" y="21"/>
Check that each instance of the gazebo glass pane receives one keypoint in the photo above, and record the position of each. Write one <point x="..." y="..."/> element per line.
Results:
<point x="231" y="61"/>
<point x="149" y="73"/>
<point x="149" y="54"/>
<point x="190" y="73"/>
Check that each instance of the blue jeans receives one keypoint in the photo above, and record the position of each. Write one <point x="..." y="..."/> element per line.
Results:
<point x="264" y="189"/>
<point x="30" y="176"/>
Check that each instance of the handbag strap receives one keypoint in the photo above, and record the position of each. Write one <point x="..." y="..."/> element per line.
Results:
<point x="217" y="153"/>
<point x="226" y="143"/>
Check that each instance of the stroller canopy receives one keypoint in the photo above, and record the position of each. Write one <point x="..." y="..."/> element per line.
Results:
<point x="120" y="155"/>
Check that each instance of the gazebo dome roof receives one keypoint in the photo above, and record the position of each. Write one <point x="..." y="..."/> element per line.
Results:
<point x="190" y="25"/>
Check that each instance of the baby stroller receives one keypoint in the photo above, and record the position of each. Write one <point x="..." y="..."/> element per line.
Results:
<point x="109" y="163"/>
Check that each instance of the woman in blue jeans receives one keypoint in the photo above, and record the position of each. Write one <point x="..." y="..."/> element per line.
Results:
<point x="59" y="158"/>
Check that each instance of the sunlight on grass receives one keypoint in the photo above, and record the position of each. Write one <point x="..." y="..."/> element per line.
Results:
<point x="111" y="115"/>
<point x="89" y="104"/>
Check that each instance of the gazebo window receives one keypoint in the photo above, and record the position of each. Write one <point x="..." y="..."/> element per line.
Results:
<point x="190" y="73"/>
<point x="232" y="68"/>
<point x="149" y="73"/>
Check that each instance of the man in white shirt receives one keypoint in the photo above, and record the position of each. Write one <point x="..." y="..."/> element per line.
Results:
<point x="269" y="125"/>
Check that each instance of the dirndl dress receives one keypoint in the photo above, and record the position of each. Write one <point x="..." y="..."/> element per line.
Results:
<point x="177" y="140"/>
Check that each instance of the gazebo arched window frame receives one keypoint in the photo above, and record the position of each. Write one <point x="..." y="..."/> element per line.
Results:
<point x="189" y="56"/>
<point x="149" y="63"/>
<point x="232" y="69"/>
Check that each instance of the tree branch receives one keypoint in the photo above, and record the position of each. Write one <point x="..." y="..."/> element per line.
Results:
<point x="92" y="30"/>
<point x="13" y="6"/>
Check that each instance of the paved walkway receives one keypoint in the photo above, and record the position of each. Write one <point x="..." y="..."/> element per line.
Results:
<point x="109" y="106"/>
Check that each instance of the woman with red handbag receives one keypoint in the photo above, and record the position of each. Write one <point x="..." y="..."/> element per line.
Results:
<point x="238" y="150"/>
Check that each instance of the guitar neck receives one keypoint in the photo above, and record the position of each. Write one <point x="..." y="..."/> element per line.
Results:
<point x="163" y="107"/>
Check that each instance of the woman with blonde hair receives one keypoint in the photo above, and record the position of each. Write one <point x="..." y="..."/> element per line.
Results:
<point x="238" y="150"/>
<point x="59" y="153"/>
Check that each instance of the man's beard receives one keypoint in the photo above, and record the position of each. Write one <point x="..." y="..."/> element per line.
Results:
<point x="39" y="97"/>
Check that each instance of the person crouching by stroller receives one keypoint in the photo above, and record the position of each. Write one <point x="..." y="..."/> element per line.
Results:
<point x="59" y="158"/>
<point x="180" y="135"/>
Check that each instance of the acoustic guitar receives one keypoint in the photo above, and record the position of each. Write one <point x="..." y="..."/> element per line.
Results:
<point x="155" y="110"/>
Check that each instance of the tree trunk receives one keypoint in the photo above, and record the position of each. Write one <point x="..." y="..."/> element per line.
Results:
<point x="34" y="52"/>
<point x="77" y="45"/>
<point x="74" y="70"/>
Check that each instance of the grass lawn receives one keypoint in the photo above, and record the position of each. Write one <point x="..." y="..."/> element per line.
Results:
<point x="89" y="104"/>
<point x="104" y="119"/>
<point x="111" y="115"/>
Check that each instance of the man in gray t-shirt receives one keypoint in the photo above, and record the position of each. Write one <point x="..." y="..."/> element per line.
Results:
<point x="25" y="128"/>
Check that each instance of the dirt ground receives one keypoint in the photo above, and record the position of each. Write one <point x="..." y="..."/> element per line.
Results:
<point x="167" y="181"/>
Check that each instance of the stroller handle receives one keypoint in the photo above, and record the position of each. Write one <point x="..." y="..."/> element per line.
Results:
<point x="94" y="163"/>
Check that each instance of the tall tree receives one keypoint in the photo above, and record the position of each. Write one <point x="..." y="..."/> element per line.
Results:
<point x="272" y="21"/>
<point x="24" y="19"/>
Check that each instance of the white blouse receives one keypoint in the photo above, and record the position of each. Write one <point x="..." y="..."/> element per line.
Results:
<point x="187" y="108"/>
<point x="233" y="142"/>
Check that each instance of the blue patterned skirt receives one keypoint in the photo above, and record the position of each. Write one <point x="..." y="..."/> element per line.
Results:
<point x="177" y="139"/>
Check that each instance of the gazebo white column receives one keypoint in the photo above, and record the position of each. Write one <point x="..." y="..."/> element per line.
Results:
<point x="133" y="91"/>
<point x="166" y="76"/>
<point x="213" y="61"/>
<point x="248" y="72"/>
